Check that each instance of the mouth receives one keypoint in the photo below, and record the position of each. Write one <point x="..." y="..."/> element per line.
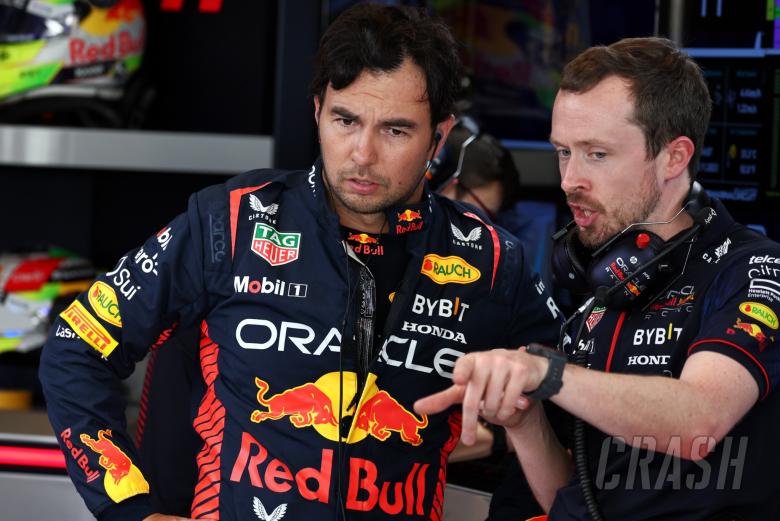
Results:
<point x="583" y="216"/>
<point x="362" y="186"/>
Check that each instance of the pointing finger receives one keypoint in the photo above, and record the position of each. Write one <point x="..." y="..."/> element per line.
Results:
<point x="440" y="401"/>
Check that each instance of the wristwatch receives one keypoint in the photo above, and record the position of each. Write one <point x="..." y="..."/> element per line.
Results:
<point x="553" y="380"/>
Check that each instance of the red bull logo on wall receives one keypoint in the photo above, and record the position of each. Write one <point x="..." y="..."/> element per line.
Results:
<point x="122" y="479"/>
<point x="315" y="404"/>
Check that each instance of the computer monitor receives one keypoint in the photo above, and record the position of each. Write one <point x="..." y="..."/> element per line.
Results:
<point x="740" y="161"/>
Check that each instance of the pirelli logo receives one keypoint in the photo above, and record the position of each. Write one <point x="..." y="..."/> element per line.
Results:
<point x="88" y="328"/>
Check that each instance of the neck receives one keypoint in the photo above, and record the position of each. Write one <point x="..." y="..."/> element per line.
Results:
<point x="670" y="208"/>
<point x="678" y="224"/>
<point x="363" y="222"/>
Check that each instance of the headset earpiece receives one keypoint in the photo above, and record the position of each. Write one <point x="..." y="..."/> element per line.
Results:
<point x="697" y="199"/>
<point x="437" y="137"/>
<point x="582" y="271"/>
<point x="569" y="261"/>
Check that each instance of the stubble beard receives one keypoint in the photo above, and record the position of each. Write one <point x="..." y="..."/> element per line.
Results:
<point x="364" y="205"/>
<point x="635" y="209"/>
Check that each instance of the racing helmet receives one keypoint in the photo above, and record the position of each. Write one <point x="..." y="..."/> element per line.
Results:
<point x="34" y="287"/>
<point x="62" y="55"/>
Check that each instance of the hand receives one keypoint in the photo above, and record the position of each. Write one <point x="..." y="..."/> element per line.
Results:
<point x="489" y="384"/>
<point x="163" y="517"/>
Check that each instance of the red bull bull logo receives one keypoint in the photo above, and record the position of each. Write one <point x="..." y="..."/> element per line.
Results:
<point x="367" y="245"/>
<point x="381" y="415"/>
<point x="408" y="216"/>
<point x="673" y="303"/>
<point x="362" y="238"/>
<point x="123" y="479"/>
<point x="754" y="330"/>
<point x="413" y="220"/>
<point x="313" y="404"/>
<point x="305" y="405"/>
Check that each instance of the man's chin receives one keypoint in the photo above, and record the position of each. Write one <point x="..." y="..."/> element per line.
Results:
<point x="363" y="207"/>
<point x="592" y="239"/>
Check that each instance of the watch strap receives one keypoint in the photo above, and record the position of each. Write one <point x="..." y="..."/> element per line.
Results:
<point x="553" y="379"/>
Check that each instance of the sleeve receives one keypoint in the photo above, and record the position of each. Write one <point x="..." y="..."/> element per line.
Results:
<point x="535" y="315"/>
<point x="97" y="341"/>
<point x="739" y="317"/>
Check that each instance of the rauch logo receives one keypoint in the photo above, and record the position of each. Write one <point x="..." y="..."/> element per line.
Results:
<point x="103" y="300"/>
<point x="443" y="270"/>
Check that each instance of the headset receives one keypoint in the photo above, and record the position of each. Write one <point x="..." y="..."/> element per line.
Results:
<point x="429" y="163"/>
<point x="628" y="266"/>
<point x="443" y="168"/>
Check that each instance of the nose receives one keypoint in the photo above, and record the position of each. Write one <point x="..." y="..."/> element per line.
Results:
<point x="364" y="150"/>
<point x="573" y="178"/>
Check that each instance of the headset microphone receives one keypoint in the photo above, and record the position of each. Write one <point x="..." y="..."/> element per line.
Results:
<point x="604" y="294"/>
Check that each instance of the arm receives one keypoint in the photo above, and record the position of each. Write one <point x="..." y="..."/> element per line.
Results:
<point x="113" y="326"/>
<point x="713" y="393"/>
<point x="546" y="464"/>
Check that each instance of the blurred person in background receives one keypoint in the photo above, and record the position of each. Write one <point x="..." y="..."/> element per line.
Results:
<point x="480" y="171"/>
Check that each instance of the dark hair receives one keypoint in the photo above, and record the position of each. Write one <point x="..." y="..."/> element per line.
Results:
<point x="670" y="95"/>
<point x="378" y="38"/>
<point x="485" y="160"/>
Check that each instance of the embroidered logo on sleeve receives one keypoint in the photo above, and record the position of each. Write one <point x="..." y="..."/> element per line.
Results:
<point x="89" y="328"/>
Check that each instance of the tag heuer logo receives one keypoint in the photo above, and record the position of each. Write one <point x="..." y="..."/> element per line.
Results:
<point x="275" y="247"/>
<point x="595" y="317"/>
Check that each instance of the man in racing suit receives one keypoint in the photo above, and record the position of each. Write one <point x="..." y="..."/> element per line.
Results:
<point x="679" y="398"/>
<point x="330" y="299"/>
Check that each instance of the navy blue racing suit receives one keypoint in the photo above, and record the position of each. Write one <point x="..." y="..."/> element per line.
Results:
<point x="259" y="262"/>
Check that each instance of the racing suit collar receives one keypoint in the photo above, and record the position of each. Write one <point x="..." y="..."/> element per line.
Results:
<point x="410" y="218"/>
